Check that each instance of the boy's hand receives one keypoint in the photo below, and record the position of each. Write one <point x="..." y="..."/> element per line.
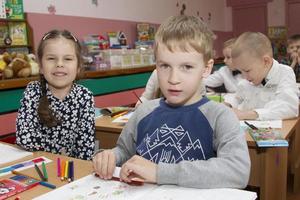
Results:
<point x="138" y="167"/>
<point x="248" y="114"/>
<point x="104" y="164"/>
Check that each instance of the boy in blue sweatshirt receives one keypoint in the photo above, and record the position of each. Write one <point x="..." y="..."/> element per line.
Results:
<point x="184" y="138"/>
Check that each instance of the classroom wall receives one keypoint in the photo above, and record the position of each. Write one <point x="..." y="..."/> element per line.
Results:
<point x="154" y="11"/>
<point x="82" y="17"/>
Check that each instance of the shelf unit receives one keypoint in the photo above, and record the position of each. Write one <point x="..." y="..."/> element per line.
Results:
<point x="29" y="35"/>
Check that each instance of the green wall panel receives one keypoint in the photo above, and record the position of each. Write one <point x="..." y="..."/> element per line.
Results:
<point x="116" y="83"/>
<point x="10" y="99"/>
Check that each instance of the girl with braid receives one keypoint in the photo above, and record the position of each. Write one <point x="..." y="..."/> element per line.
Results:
<point x="56" y="114"/>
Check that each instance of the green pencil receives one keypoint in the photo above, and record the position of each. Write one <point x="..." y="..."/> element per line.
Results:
<point x="45" y="171"/>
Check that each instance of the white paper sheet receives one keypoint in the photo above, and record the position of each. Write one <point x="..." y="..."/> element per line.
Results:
<point x="9" y="153"/>
<point x="93" y="188"/>
<point x="263" y="124"/>
<point x="171" y="192"/>
<point x="123" y="118"/>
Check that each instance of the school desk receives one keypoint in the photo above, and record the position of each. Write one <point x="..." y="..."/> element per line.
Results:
<point x="269" y="166"/>
<point x="81" y="168"/>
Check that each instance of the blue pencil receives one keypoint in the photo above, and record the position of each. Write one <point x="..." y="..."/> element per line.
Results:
<point x="46" y="184"/>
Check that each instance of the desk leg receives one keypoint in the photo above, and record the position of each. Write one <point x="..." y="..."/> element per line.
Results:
<point x="274" y="174"/>
<point x="296" y="158"/>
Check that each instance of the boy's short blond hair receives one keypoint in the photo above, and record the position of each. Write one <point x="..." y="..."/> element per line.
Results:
<point x="254" y="43"/>
<point x="229" y="43"/>
<point x="183" y="31"/>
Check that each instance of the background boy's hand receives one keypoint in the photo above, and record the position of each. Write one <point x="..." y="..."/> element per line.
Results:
<point x="104" y="164"/>
<point x="249" y="114"/>
<point x="138" y="167"/>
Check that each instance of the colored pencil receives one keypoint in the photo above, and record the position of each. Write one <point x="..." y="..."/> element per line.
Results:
<point x="37" y="169"/>
<point x="44" y="171"/>
<point x="62" y="174"/>
<point x="251" y="125"/>
<point x="66" y="170"/>
<point x="46" y="184"/>
<point x="20" y="173"/>
<point x="71" y="171"/>
<point x="58" y="167"/>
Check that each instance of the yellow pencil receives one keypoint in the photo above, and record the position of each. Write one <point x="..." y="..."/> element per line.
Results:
<point x="66" y="170"/>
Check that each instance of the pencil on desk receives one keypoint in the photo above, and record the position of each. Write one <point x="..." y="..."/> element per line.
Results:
<point x="46" y="184"/>
<point x="62" y="172"/>
<point x="37" y="169"/>
<point x="137" y="96"/>
<point x="120" y="114"/>
<point x="71" y="171"/>
<point x="251" y="125"/>
<point x="20" y="173"/>
<point x="44" y="171"/>
<point x="58" y="167"/>
<point x="66" y="170"/>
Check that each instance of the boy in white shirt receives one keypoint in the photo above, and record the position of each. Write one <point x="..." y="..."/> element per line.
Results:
<point x="227" y="75"/>
<point x="270" y="90"/>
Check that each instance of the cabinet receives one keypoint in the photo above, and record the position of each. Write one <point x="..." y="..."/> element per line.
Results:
<point x="20" y="34"/>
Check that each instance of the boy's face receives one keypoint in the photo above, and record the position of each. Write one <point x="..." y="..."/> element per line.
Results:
<point x="227" y="58"/>
<point x="180" y="74"/>
<point x="293" y="47"/>
<point x="253" y="69"/>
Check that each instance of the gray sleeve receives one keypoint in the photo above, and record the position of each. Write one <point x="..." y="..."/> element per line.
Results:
<point x="126" y="144"/>
<point x="231" y="167"/>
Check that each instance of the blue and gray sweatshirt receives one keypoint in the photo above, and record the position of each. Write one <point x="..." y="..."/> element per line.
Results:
<point x="198" y="145"/>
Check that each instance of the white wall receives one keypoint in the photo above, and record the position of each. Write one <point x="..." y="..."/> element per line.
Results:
<point x="153" y="11"/>
<point x="276" y="13"/>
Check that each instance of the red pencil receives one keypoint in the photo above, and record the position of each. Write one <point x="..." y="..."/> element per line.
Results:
<point x="133" y="182"/>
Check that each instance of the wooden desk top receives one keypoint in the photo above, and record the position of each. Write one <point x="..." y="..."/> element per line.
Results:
<point x="81" y="168"/>
<point x="104" y="124"/>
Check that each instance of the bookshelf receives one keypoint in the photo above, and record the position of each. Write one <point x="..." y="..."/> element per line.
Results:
<point x="20" y="34"/>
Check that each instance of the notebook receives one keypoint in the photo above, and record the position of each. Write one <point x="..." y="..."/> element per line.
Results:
<point x="16" y="184"/>
<point x="11" y="153"/>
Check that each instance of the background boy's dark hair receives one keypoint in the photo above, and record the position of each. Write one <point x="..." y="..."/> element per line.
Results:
<point x="46" y="114"/>
<point x="293" y="38"/>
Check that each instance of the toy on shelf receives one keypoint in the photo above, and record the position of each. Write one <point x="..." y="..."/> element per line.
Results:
<point x="117" y="40"/>
<point x="103" y="43"/>
<point x="17" y="65"/>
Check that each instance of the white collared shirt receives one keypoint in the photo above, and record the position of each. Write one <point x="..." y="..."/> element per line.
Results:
<point x="223" y="76"/>
<point x="277" y="99"/>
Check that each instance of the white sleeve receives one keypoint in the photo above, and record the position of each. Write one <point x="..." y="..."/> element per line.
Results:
<point x="151" y="87"/>
<point x="286" y="102"/>
<point x="216" y="79"/>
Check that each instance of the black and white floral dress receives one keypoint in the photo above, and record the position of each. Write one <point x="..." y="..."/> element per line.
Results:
<point x="74" y="136"/>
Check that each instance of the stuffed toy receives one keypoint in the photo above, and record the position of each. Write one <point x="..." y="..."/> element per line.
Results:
<point x="19" y="65"/>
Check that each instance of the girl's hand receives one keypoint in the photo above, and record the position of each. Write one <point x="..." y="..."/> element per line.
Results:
<point x="137" y="168"/>
<point x="104" y="164"/>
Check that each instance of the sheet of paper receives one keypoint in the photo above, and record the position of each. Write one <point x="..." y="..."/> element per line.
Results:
<point x="263" y="124"/>
<point x="94" y="188"/>
<point x="170" y="192"/>
<point x="123" y="118"/>
<point x="9" y="153"/>
<point x="23" y="165"/>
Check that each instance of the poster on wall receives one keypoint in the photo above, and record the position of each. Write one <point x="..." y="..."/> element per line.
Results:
<point x="278" y="37"/>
